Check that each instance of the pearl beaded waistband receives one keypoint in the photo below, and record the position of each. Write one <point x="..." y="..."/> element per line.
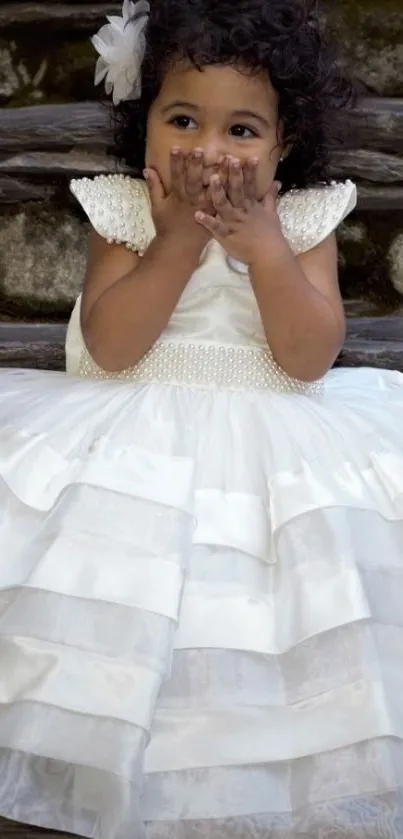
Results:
<point x="205" y="366"/>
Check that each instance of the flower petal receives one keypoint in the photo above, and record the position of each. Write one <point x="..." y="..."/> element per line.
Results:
<point x="121" y="46"/>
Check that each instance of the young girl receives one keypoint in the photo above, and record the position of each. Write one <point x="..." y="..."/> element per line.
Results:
<point x="201" y="624"/>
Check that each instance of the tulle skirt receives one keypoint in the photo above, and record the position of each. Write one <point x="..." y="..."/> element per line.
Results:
<point x="201" y="609"/>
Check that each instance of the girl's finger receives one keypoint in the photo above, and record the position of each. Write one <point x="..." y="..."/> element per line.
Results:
<point x="271" y="197"/>
<point x="236" y="191"/>
<point x="194" y="176"/>
<point x="213" y="224"/>
<point x="178" y="171"/>
<point x="155" y="186"/>
<point x="250" y="178"/>
<point x="224" y="163"/>
<point x="219" y="198"/>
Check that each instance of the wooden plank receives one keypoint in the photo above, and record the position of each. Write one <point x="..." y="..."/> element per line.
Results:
<point x="81" y="15"/>
<point x="33" y="176"/>
<point x="381" y="328"/>
<point x="376" y="167"/>
<point x="14" y="830"/>
<point x="55" y="127"/>
<point x="17" y="190"/>
<point x="376" y="125"/>
<point x="367" y="165"/>
<point x="54" y="164"/>
<point x="374" y="328"/>
<point x="375" y="341"/>
<point x="37" y="345"/>
<point x="383" y="354"/>
<point x="380" y="198"/>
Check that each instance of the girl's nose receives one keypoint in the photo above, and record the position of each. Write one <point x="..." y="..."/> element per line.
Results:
<point x="214" y="150"/>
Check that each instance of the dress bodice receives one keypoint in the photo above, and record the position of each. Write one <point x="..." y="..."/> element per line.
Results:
<point x="218" y="307"/>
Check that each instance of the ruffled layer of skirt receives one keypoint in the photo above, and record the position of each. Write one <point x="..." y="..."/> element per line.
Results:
<point x="201" y="609"/>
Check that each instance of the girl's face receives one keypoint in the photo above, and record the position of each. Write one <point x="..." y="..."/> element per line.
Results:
<point x="222" y="111"/>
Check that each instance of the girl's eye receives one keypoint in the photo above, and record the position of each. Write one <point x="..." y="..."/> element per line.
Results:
<point x="242" y="131"/>
<point x="183" y="122"/>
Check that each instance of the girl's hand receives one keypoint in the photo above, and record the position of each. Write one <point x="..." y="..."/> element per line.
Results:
<point x="174" y="211"/>
<point x="241" y="223"/>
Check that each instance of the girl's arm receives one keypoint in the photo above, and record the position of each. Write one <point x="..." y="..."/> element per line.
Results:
<point x="298" y="296"/>
<point x="128" y="300"/>
<point x="300" y="305"/>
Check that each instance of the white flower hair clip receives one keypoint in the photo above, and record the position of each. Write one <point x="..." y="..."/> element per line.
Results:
<point x="121" y="45"/>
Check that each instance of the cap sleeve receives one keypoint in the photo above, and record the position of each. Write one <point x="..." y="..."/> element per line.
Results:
<point x="118" y="208"/>
<point x="308" y="216"/>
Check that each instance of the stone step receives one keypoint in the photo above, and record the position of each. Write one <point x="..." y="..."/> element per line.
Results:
<point x="373" y="341"/>
<point x="43" y="248"/>
<point x="375" y="125"/>
<point x="17" y="190"/>
<point x="43" y="144"/>
<point x="362" y="164"/>
<point x="81" y="15"/>
<point x="12" y="830"/>
<point x="35" y="176"/>
<point x="59" y="127"/>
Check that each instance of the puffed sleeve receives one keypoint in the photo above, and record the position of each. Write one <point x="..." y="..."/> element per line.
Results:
<point x="118" y="208"/>
<point x="308" y="216"/>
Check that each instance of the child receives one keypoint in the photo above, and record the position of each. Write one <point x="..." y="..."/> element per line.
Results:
<point x="202" y="563"/>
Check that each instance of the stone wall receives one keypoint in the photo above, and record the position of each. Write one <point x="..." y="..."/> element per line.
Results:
<point x="370" y="34"/>
<point x="45" y="54"/>
<point x="46" y="59"/>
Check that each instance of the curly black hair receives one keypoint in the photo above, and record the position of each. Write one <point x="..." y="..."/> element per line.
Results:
<point x="283" y="37"/>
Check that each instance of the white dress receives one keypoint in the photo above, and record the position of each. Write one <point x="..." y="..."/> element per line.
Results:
<point x="201" y="575"/>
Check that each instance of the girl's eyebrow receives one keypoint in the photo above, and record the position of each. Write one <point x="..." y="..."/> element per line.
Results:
<point x="179" y="103"/>
<point x="251" y="115"/>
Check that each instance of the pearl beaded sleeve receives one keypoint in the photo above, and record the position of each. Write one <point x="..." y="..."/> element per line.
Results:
<point x="118" y="208"/>
<point x="308" y="216"/>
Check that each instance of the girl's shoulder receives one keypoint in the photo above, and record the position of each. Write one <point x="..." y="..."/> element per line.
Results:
<point x="308" y="216"/>
<point x="118" y="208"/>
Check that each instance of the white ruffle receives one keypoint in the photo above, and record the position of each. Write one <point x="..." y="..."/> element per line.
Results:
<point x="201" y="630"/>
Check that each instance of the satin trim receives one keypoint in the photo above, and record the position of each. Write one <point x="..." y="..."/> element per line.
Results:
<point x="94" y="569"/>
<point x="227" y="617"/>
<point x="77" y="680"/>
<point x="127" y="470"/>
<point x="378" y="487"/>
<point x="233" y="519"/>
<point x="239" y="736"/>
